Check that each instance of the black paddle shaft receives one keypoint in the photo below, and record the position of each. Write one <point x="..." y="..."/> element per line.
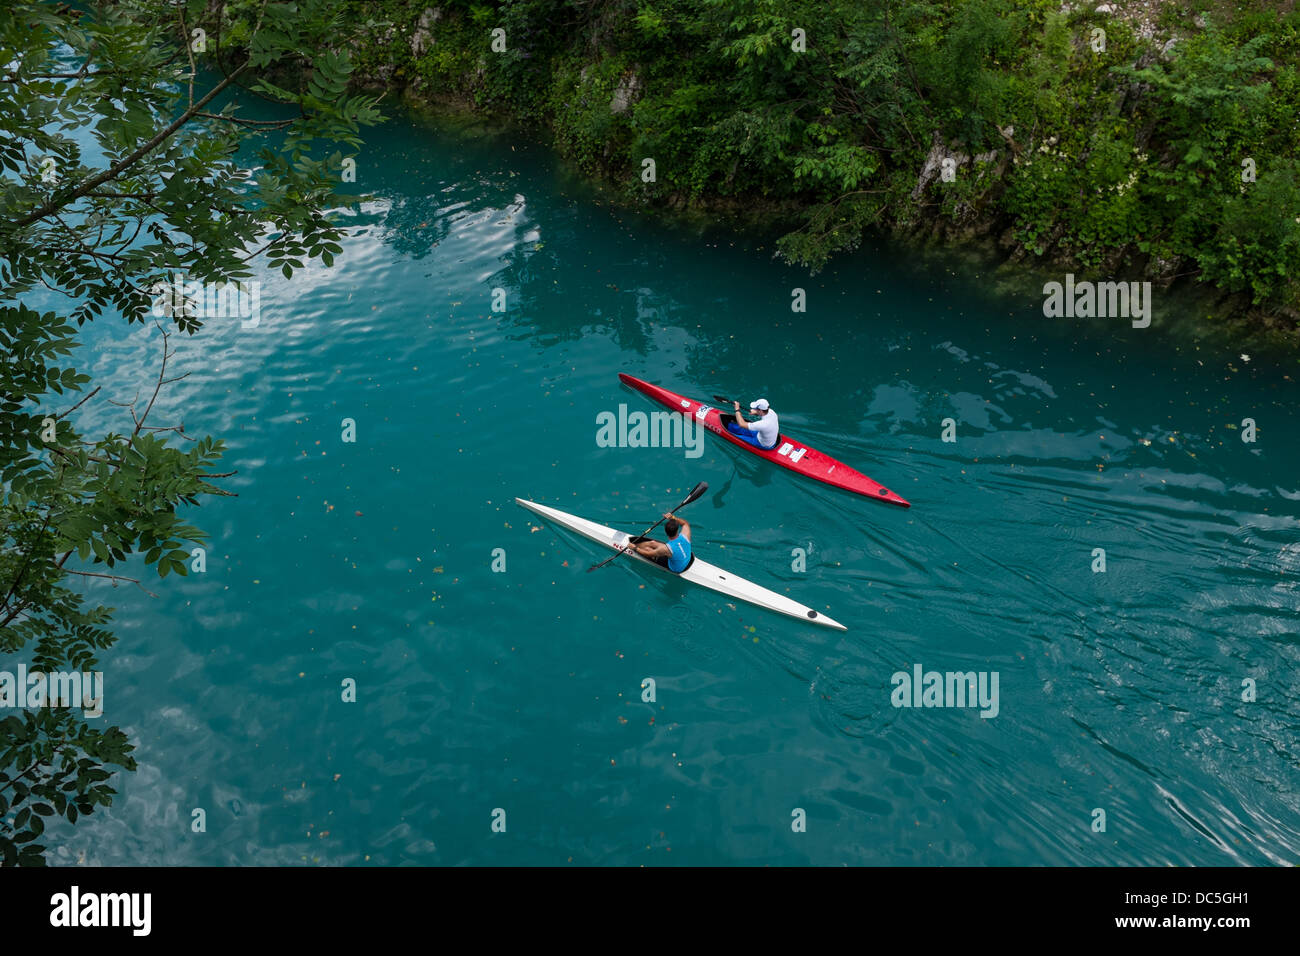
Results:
<point x="696" y="492"/>
<point x="729" y="411"/>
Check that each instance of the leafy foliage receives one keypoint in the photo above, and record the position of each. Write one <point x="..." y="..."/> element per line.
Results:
<point x="165" y="194"/>
<point x="1127" y="153"/>
<point x="127" y="158"/>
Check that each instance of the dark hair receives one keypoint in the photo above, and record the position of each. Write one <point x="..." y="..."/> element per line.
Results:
<point x="672" y="526"/>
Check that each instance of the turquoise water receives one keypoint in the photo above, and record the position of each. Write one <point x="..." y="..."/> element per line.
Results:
<point x="521" y="690"/>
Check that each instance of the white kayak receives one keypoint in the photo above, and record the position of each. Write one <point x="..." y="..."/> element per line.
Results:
<point x="698" y="572"/>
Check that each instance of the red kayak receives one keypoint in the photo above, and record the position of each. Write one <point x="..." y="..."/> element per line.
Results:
<point x="788" y="453"/>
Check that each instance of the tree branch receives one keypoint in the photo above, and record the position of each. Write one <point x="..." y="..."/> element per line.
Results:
<point x="252" y="124"/>
<point x="79" y="404"/>
<point x="114" y="578"/>
<point x="54" y="205"/>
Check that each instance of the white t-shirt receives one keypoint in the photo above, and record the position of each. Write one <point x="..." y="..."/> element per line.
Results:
<point x="766" y="426"/>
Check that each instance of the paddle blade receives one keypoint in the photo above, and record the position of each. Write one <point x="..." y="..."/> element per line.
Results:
<point x="696" y="493"/>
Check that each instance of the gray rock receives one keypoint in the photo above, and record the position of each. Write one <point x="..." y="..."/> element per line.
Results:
<point x="422" y="39"/>
<point x="624" y="93"/>
<point x="934" y="162"/>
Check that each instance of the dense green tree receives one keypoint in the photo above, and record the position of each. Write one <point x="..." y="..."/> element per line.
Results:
<point x="1116" y="139"/>
<point x="126" y="158"/>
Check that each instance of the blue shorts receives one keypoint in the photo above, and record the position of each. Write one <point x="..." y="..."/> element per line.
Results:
<point x="745" y="435"/>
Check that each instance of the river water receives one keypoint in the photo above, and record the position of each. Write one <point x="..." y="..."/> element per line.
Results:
<point x="515" y="696"/>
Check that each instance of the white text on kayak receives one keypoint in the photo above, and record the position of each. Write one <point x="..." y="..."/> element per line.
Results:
<point x="649" y="430"/>
<point x="953" y="689"/>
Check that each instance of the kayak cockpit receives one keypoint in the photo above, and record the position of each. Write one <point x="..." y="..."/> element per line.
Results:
<point x="659" y="559"/>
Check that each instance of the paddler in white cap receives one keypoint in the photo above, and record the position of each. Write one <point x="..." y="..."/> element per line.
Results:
<point x="763" y="431"/>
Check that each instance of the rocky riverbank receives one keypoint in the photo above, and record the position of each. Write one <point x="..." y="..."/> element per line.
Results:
<point x="1075" y="138"/>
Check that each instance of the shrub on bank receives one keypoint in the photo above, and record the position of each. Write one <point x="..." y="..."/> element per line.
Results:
<point x="1160" y="142"/>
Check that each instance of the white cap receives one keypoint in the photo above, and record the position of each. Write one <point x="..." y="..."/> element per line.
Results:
<point x="761" y="405"/>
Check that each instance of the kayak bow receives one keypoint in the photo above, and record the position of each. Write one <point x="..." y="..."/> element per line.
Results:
<point x="697" y="572"/>
<point x="788" y="452"/>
